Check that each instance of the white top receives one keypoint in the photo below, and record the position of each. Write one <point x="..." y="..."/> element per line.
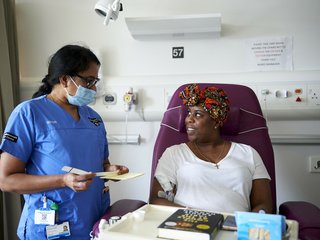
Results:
<point x="202" y="185"/>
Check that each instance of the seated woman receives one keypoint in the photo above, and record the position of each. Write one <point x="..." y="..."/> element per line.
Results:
<point x="209" y="172"/>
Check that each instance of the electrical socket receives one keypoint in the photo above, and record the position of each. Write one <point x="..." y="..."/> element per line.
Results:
<point x="110" y="98"/>
<point x="314" y="164"/>
<point x="314" y="94"/>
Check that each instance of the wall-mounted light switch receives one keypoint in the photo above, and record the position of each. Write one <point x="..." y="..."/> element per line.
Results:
<point x="314" y="164"/>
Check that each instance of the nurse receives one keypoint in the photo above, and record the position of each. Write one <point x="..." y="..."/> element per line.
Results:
<point x="54" y="129"/>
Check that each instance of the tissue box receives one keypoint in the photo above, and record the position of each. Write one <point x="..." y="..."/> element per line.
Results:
<point x="259" y="226"/>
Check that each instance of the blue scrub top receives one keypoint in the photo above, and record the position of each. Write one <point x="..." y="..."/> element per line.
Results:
<point x="44" y="136"/>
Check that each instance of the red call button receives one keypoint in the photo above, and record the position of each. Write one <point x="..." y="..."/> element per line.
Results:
<point x="298" y="99"/>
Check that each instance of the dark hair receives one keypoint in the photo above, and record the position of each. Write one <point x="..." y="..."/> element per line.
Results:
<point x="68" y="60"/>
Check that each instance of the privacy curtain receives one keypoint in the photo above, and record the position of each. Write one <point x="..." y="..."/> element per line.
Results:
<point x="10" y="204"/>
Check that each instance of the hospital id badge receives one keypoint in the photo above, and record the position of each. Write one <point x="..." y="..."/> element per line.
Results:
<point x="58" y="230"/>
<point x="45" y="217"/>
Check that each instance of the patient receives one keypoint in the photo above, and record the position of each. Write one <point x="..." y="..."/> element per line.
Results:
<point x="209" y="172"/>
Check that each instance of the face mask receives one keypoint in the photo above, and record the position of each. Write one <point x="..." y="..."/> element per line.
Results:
<point x="83" y="96"/>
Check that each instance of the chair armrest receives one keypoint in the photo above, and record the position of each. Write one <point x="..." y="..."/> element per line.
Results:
<point x="119" y="208"/>
<point x="307" y="214"/>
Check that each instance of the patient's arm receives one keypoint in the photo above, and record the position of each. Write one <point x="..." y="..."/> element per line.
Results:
<point x="261" y="198"/>
<point x="154" y="199"/>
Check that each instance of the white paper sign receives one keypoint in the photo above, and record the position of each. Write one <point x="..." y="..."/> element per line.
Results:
<point x="269" y="54"/>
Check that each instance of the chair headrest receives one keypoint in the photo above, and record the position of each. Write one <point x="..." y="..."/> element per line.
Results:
<point x="175" y="119"/>
<point x="232" y="124"/>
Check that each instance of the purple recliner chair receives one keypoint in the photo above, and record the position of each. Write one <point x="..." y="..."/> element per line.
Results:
<point x="245" y="124"/>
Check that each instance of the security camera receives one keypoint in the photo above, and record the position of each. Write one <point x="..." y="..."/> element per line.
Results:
<point x="108" y="9"/>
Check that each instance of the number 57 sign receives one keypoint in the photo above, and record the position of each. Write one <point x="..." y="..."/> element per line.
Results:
<point x="178" y="52"/>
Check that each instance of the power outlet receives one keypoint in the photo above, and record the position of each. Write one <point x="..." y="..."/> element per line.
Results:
<point x="110" y="98"/>
<point x="314" y="94"/>
<point x="314" y="164"/>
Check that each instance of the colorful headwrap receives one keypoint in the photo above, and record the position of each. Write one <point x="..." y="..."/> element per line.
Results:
<point x="212" y="99"/>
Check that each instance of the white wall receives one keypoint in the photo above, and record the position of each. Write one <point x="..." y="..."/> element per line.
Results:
<point x="44" y="26"/>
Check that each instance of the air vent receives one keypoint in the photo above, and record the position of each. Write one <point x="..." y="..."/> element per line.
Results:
<point x="175" y="27"/>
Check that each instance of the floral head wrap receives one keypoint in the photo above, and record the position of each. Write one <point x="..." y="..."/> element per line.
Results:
<point x="212" y="99"/>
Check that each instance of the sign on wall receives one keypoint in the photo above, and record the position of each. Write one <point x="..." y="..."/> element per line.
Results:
<point x="269" y="54"/>
<point x="178" y="52"/>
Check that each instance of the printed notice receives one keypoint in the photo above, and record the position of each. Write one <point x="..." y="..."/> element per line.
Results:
<point x="269" y="54"/>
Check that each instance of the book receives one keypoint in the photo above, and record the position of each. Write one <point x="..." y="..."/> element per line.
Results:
<point x="190" y="224"/>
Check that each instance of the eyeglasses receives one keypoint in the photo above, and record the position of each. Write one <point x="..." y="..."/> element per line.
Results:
<point x="90" y="81"/>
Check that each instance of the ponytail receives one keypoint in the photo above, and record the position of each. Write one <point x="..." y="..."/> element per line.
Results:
<point x="44" y="89"/>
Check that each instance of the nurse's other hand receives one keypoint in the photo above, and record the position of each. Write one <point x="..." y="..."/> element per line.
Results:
<point x="119" y="168"/>
<point x="78" y="183"/>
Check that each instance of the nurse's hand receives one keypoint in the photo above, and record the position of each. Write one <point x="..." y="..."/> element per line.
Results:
<point x="119" y="168"/>
<point x="78" y="183"/>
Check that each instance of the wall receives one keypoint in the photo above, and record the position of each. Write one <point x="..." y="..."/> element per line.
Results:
<point x="44" y="26"/>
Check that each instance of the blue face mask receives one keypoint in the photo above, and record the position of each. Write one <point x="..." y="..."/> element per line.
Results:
<point x="83" y="96"/>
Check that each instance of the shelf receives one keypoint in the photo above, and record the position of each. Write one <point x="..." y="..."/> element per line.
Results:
<point x="295" y="139"/>
<point x="123" y="139"/>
